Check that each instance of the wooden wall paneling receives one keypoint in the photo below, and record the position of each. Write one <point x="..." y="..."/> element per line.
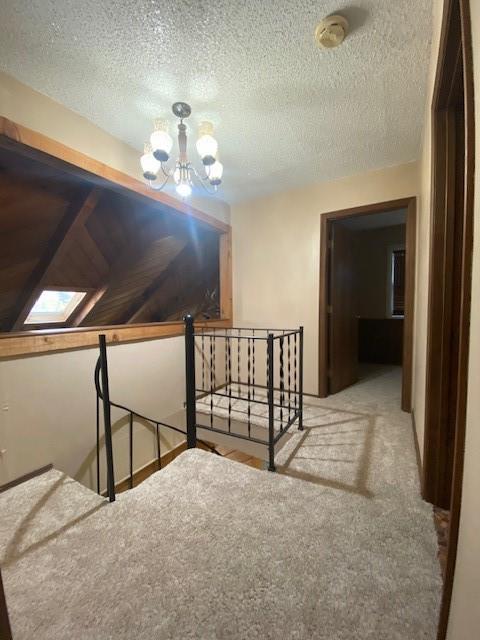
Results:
<point x="130" y="281"/>
<point x="137" y="310"/>
<point x="76" y="215"/>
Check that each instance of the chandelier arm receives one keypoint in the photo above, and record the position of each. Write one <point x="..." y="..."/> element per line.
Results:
<point x="166" y="173"/>
<point x="156" y="187"/>
<point x="209" y="191"/>
<point x="199" y="176"/>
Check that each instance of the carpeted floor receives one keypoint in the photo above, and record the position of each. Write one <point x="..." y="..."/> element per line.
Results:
<point x="211" y="549"/>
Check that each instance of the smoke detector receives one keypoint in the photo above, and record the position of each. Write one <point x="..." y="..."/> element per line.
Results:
<point x="331" y="32"/>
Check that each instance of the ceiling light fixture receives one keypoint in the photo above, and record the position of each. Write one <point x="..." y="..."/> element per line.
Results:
<point x="157" y="153"/>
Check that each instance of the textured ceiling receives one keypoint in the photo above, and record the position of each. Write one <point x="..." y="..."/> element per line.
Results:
<point x="286" y="113"/>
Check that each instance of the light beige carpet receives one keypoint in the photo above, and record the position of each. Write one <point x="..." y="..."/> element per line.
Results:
<point x="211" y="549"/>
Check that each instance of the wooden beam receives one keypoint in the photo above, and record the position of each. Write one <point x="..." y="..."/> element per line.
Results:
<point x="75" y="217"/>
<point x="34" y="144"/>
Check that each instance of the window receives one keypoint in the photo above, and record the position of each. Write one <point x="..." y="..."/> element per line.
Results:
<point x="397" y="298"/>
<point x="54" y="306"/>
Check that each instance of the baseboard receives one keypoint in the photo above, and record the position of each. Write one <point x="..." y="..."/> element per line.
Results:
<point x="27" y="476"/>
<point x="417" y="451"/>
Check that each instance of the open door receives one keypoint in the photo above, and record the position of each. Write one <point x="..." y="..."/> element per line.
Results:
<point x="342" y="320"/>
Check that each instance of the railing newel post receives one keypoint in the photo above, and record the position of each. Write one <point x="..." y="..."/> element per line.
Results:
<point x="271" y="404"/>
<point x="300" y="383"/>
<point x="191" y="417"/>
<point x="107" y="418"/>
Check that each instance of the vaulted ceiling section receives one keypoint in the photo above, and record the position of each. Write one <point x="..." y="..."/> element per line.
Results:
<point x="136" y="262"/>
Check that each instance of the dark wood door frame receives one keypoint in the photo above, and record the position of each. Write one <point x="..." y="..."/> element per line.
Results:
<point x="410" y="237"/>
<point x="451" y="249"/>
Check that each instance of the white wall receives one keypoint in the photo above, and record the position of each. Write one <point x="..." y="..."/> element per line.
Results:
<point x="276" y="251"/>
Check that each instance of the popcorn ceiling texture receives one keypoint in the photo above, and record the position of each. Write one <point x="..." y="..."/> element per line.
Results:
<point x="286" y="113"/>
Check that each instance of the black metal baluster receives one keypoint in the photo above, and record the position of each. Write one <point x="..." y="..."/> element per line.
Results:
<point x="271" y="404"/>
<point x="159" y="459"/>
<point x="211" y="381"/>
<point x="98" y="445"/>
<point x="253" y="365"/>
<point x="282" y="384"/>
<point x="289" y="378"/>
<point x="214" y="363"/>
<point x="300" y="383"/>
<point x="295" y="395"/>
<point x="107" y="418"/>
<point x="203" y="363"/>
<point x="238" y="362"/>
<point x="130" y="430"/>
<point x="229" y="352"/>
<point x="249" y="353"/>
<point x="190" y="384"/>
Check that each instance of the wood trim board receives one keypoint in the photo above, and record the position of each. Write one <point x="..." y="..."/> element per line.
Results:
<point x="37" y="342"/>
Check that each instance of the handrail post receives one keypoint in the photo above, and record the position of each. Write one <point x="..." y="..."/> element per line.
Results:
<point x="107" y="419"/>
<point x="190" y="383"/>
<point x="300" y="384"/>
<point x="271" y="405"/>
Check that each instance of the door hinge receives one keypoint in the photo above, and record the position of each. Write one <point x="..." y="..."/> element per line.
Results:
<point x="329" y="308"/>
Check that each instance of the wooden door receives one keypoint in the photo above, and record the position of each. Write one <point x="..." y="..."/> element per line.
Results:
<point x="342" y="316"/>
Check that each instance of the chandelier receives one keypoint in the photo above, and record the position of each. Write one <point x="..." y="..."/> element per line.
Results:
<point x="157" y="153"/>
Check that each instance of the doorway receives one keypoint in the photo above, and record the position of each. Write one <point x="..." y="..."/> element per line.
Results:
<point x="367" y="273"/>
<point x="451" y="247"/>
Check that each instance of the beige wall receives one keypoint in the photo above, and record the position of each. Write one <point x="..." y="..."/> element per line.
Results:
<point x="48" y="401"/>
<point x="276" y="247"/>
<point x="373" y="250"/>
<point x="465" y="612"/>
<point x="48" y="406"/>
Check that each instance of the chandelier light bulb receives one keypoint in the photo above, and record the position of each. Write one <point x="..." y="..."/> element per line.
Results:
<point x="184" y="189"/>
<point x="150" y="165"/>
<point x="207" y="146"/>
<point x="161" y="141"/>
<point x="215" y="173"/>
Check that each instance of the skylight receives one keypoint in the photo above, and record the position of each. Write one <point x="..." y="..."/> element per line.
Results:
<point x="54" y="306"/>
